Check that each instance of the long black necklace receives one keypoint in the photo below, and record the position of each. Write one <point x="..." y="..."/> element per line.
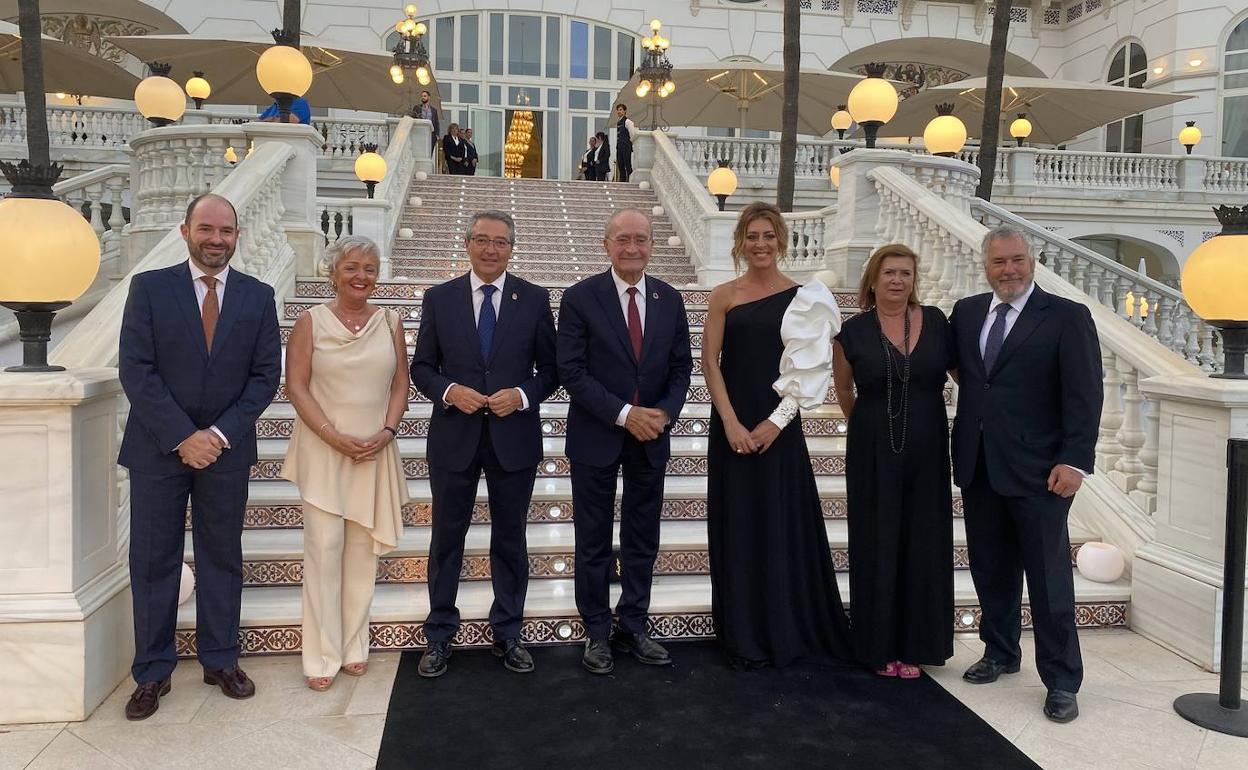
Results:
<point x="902" y="374"/>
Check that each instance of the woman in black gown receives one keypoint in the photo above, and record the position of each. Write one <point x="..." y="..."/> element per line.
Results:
<point x="766" y="352"/>
<point x="896" y="352"/>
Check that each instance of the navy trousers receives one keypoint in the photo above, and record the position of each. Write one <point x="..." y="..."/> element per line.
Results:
<point x="157" y="538"/>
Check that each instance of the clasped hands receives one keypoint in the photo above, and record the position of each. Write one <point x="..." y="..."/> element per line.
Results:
<point x="201" y="449"/>
<point x="645" y="423"/>
<point x="358" y="449"/>
<point x="469" y="401"/>
<point x="754" y="441"/>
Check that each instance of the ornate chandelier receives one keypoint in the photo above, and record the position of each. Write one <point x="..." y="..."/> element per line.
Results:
<point x="410" y="53"/>
<point x="655" y="73"/>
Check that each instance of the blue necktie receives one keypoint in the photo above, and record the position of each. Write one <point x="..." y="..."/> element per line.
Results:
<point x="487" y="321"/>
<point x="996" y="337"/>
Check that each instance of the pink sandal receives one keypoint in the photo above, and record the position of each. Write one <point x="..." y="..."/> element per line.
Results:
<point x="890" y="669"/>
<point x="355" y="669"/>
<point x="908" y="671"/>
<point x="320" y="683"/>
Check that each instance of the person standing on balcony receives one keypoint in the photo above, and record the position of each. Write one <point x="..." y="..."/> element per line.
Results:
<point x="625" y="133"/>
<point x="767" y="350"/>
<point x="200" y="359"/>
<point x="426" y="111"/>
<point x="897" y="353"/>
<point x="588" y="160"/>
<point x="487" y="388"/>
<point x="1029" y="409"/>
<point x="346" y="374"/>
<point x="602" y="159"/>
<point x="455" y="150"/>
<point x="471" y="158"/>
<point x="624" y="359"/>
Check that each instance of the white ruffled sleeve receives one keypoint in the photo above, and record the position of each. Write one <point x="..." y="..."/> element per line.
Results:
<point x="810" y="322"/>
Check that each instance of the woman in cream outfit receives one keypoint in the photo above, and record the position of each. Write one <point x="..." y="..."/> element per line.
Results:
<point x="346" y="374"/>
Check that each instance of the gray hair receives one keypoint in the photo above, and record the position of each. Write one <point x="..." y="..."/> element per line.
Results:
<point x="345" y="245"/>
<point x="606" y="232"/>
<point x="1004" y="233"/>
<point x="494" y="215"/>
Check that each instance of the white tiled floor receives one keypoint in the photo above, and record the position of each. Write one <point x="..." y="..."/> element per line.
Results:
<point x="1126" y="718"/>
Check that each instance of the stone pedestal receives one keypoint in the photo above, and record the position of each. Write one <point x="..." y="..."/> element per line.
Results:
<point x="643" y="156"/>
<point x="66" y="634"/>
<point x="368" y="218"/>
<point x="1176" y="589"/>
<point x="301" y="220"/>
<point x="718" y="266"/>
<point x="858" y="210"/>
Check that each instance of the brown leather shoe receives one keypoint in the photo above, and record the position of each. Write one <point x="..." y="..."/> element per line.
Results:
<point x="145" y="700"/>
<point x="232" y="681"/>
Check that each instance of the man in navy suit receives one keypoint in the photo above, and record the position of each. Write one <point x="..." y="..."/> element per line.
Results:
<point x="199" y="359"/>
<point x="485" y="357"/>
<point x="624" y="359"/>
<point x="1029" y="409"/>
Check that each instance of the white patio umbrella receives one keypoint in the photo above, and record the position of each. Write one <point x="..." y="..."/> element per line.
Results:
<point x="65" y="68"/>
<point x="102" y="16"/>
<point x="1059" y="110"/>
<point x="342" y="76"/>
<point x="743" y="95"/>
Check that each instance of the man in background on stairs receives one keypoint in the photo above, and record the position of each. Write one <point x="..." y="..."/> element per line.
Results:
<point x="602" y="158"/>
<point x="625" y="133"/>
<point x="624" y="358"/>
<point x="199" y="359"/>
<point x="588" y="160"/>
<point x="455" y="150"/>
<point x="472" y="158"/>
<point x="426" y="111"/>
<point x="486" y="388"/>
<point x="1024" y="438"/>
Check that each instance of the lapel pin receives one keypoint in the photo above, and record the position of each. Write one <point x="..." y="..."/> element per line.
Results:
<point x="515" y="295"/>
<point x="654" y="295"/>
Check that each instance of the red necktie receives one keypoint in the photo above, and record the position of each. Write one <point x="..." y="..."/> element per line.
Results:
<point x="211" y="309"/>
<point x="634" y="331"/>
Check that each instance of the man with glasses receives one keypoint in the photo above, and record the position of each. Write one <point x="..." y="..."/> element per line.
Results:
<point x="485" y="358"/>
<point x="625" y="361"/>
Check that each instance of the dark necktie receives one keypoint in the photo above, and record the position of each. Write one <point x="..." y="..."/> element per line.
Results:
<point x="211" y="310"/>
<point x="634" y="322"/>
<point x="996" y="337"/>
<point x="487" y="321"/>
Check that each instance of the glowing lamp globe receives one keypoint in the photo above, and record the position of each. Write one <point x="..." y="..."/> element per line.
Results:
<point x="834" y="176"/>
<point x="284" y="70"/>
<point x="1214" y="281"/>
<point x="198" y="89"/>
<point x="643" y="88"/>
<point x="370" y="168"/>
<point x="873" y="102"/>
<point x="158" y="98"/>
<point x="842" y="120"/>
<point x="421" y="28"/>
<point x="721" y="183"/>
<point x="1020" y="129"/>
<point x="422" y="76"/>
<point x="409" y="9"/>
<point x="231" y="156"/>
<point x="397" y="77"/>
<point x="1189" y="137"/>
<point x="655" y="25"/>
<point x="945" y="135"/>
<point x="1100" y="562"/>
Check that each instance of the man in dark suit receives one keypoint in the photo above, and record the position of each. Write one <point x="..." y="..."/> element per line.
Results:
<point x="589" y="160"/>
<point x="1029" y="408"/>
<point x="455" y="150"/>
<point x="485" y="357"/>
<point x="426" y="111"/>
<point x="624" y="359"/>
<point x="471" y="158"/>
<point x="199" y="359"/>
<point x="602" y="158"/>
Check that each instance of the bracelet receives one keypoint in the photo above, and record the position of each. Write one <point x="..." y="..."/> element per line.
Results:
<point x="393" y="432"/>
<point x="318" y="430"/>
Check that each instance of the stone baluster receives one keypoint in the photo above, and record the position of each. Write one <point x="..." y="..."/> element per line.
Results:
<point x="116" y="216"/>
<point x="181" y="178"/>
<point x="1108" y="450"/>
<point x="96" y="196"/>
<point x="1145" y="492"/>
<point x="1165" y="322"/>
<point x="1129" y="467"/>
<point x="1207" y="358"/>
<point x="1149" y="316"/>
<point x="1095" y="274"/>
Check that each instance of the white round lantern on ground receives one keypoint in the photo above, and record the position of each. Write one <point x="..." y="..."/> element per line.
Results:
<point x="643" y="185"/>
<point x="420" y="176"/>
<point x="673" y="240"/>
<point x="406" y="232"/>
<point x="414" y="200"/>
<point x="187" y="586"/>
<point x="657" y="211"/>
<point x="1100" y="562"/>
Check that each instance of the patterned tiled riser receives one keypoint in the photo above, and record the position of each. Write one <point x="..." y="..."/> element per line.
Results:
<point x="537" y="276"/>
<point x="285" y="640"/>
<point x="415" y="569"/>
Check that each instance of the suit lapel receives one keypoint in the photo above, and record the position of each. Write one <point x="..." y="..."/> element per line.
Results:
<point x="1034" y="313"/>
<point x="231" y="306"/>
<point x="463" y="313"/>
<point x="507" y="309"/>
<point x="978" y="316"/>
<point x="184" y="293"/>
<point x="652" y="312"/>
<point x="615" y="315"/>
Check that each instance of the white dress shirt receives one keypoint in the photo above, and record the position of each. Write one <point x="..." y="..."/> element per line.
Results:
<point x="621" y="289"/>
<point x="478" y="298"/>
<point x="1011" y="316"/>
<point x="201" y="291"/>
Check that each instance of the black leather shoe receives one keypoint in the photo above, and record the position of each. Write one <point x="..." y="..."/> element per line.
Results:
<point x="232" y="681"/>
<point x="598" y="658"/>
<point x="145" y="700"/>
<point x="433" y="662"/>
<point x="1061" y="706"/>
<point x="986" y="671"/>
<point x="515" y="657"/>
<point x="643" y="648"/>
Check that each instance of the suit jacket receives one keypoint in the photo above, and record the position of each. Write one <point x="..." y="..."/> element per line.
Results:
<point x="456" y="157"/>
<point x="522" y="356"/>
<point x="598" y="369"/>
<point x="602" y="162"/>
<point x="1040" y="405"/>
<point x="176" y="386"/>
<point x="470" y="157"/>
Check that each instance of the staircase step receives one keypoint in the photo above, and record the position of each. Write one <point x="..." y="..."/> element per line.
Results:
<point x="680" y="608"/>
<point x="309" y="289"/>
<point x="536" y="276"/>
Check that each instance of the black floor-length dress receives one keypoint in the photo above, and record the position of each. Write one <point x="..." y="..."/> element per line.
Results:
<point x="773" y="587"/>
<point x="900" y="504"/>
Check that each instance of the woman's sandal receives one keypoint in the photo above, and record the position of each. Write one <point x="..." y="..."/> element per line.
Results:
<point x="909" y="671"/>
<point x="355" y="669"/>
<point x="320" y="683"/>
<point x="890" y="669"/>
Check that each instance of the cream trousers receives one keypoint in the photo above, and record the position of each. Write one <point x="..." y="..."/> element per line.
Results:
<point x="339" y="576"/>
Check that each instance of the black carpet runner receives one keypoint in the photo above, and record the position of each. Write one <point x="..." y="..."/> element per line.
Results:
<point x="697" y="713"/>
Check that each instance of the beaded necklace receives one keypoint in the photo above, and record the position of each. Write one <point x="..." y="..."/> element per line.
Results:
<point x="903" y="376"/>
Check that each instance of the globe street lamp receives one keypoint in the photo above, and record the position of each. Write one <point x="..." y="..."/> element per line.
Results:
<point x="945" y="135"/>
<point x="873" y="101"/>
<point x="370" y="168"/>
<point x="655" y="73"/>
<point x="1214" y="281"/>
<point x="841" y="120"/>
<point x="1020" y="129"/>
<point x="410" y="53"/>
<point x="721" y="183"/>
<point x="198" y="89"/>
<point x="284" y="72"/>
<point x="158" y="98"/>
<point x="1189" y="137"/>
<point x="50" y="257"/>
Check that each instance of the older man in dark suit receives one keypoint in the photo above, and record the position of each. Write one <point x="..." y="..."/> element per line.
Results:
<point x="199" y="359"/>
<point x="485" y="357"/>
<point x="1029" y="408"/>
<point x="625" y="361"/>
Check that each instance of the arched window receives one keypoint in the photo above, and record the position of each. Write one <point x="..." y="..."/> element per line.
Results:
<point x="1129" y="68"/>
<point x="1235" y="93"/>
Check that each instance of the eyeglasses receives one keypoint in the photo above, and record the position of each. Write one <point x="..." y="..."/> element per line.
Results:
<point x="480" y="241"/>
<point x="624" y="240"/>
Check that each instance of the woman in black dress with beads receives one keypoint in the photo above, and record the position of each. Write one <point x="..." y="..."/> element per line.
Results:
<point x="896" y="353"/>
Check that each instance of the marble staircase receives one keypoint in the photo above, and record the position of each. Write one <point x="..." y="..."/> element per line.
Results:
<point x="559" y="231"/>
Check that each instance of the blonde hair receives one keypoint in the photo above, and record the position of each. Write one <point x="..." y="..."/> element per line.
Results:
<point x="871" y="274"/>
<point x="759" y="210"/>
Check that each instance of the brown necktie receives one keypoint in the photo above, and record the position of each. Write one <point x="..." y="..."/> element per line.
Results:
<point x="634" y="332"/>
<point x="211" y="309"/>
